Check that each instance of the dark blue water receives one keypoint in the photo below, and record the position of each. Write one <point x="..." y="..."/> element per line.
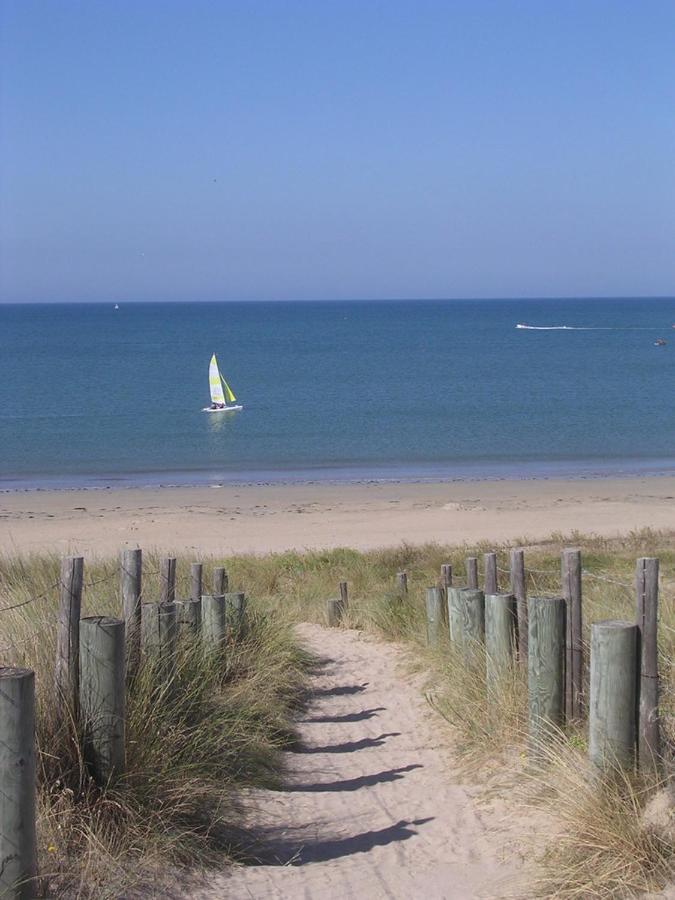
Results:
<point x="404" y="389"/>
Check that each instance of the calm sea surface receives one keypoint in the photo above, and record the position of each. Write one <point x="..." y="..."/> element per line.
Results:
<point x="91" y="395"/>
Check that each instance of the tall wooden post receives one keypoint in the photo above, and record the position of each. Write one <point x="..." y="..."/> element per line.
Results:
<point x="102" y="695"/>
<point x="344" y="598"/>
<point x="446" y="575"/>
<point x="519" y="591"/>
<point x="500" y="633"/>
<point x="570" y="563"/>
<point x="130" y="578"/>
<point x="546" y="665"/>
<point x="220" y="581"/>
<point x="455" y="615"/>
<point x="402" y="583"/>
<point x="647" y="594"/>
<point x="196" y="570"/>
<point x="472" y="572"/>
<point x="434" y="615"/>
<point x="188" y="618"/>
<point x="158" y="636"/>
<point x="67" y="671"/>
<point x="490" y="574"/>
<point x="18" y="842"/>
<point x="612" y="720"/>
<point x="167" y="579"/>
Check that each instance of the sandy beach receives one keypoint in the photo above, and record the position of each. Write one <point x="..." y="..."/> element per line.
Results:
<point x="263" y="518"/>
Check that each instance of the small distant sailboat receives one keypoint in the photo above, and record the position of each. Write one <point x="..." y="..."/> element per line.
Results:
<point x="116" y="306"/>
<point x="659" y="342"/>
<point x="222" y="398"/>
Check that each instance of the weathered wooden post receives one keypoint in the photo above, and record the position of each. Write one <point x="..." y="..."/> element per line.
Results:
<point x="333" y="612"/>
<point x="167" y="579"/>
<point x="220" y="582"/>
<point x="214" y="624"/>
<point x="159" y="636"/>
<point x="446" y="575"/>
<point x="102" y="696"/>
<point x="455" y="614"/>
<point x="490" y="573"/>
<point x="434" y="615"/>
<point x="570" y="564"/>
<point x="647" y="594"/>
<point x="344" y="598"/>
<point x="188" y="618"/>
<point x="196" y="570"/>
<point x="444" y="582"/>
<point x="545" y="670"/>
<point x="519" y="591"/>
<point x="67" y="671"/>
<point x="500" y="633"/>
<point x="131" y="587"/>
<point x="473" y="619"/>
<point x="18" y="842"/>
<point x="402" y="583"/>
<point x="614" y="669"/>
<point x="472" y="572"/>
<point x="235" y="609"/>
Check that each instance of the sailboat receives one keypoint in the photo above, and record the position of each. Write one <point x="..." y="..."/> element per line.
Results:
<point x="222" y="398"/>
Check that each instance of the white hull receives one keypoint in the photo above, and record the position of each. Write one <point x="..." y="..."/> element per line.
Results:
<point x="224" y="409"/>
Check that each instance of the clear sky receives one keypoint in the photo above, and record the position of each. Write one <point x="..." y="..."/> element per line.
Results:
<point x="264" y="149"/>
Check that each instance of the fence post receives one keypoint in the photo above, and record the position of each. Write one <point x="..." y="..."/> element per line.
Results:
<point x="167" y="579"/>
<point x="333" y="612"/>
<point x="434" y="615"/>
<point x="344" y="598"/>
<point x="490" y="574"/>
<point x="570" y="564"/>
<point x="446" y="575"/>
<point x="500" y="628"/>
<point x="188" y="617"/>
<point x="196" y="570"/>
<point x="455" y="614"/>
<point x="158" y="636"/>
<point x="213" y="621"/>
<point x="473" y="619"/>
<point x="220" y="581"/>
<point x="18" y="842"/>
<point x="545" y="670"/>
<point x="472" y="572"/>
<point x="611" y="726"/>
<point x="130" y="577"/>
<point x="102" y="695"/>
<point x="67" y="671"/>
<point x="402" y="583"/>
<point x="647" y="595"/>
<point x="519" y="591"/>
<point x="235" y="608"/>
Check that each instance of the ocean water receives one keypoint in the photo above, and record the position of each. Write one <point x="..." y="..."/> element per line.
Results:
<point x="90" y="395"/>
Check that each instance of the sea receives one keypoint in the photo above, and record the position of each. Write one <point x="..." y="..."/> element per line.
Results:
<point x="97" y="396"/>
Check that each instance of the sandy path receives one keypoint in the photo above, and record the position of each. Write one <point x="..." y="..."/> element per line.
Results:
<point x="369" y="810"/>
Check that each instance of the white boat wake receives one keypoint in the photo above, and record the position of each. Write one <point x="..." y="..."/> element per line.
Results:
<point x="584" y="327"/>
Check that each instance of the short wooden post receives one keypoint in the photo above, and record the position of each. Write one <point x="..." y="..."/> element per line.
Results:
<point x="490" y="573"/>
<point x="188" y="618"/>
<point x="167" y="579"/>
<point x="473" y="619"/>
<point x="220" y="581"/>
<point x="402" y="583"/>
<point x="333" y="612"/>
<point x="612" y="720"/>
<point x="214" y="625"/>
<point x="647" y="594"/>
<point x="235" y="609"/>
<point x="130" y="578"/>
<point x="18" y="842"/>
<point x="455" y="615"/>
<point x="434" y="615"/>
<point x="472" y="572"/>
<point x="545" y="671"/>
<point x="67" y="671"/>
<point x="158" y="636"/>
<point x="519" y="591"/>
<point x="500" y="633"/>
<point x="344" y="598"/>
<point x="196" y="570"/>
<point x="570" y="563"/>
<point x="102" y="696"/>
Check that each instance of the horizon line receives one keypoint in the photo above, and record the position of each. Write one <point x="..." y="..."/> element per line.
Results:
<point x="486" y="299"/>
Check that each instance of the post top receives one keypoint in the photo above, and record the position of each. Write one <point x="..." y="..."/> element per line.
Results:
<point x="614" y="624"/>
<point x="102" y="621"/>
<point x="15" y="672"/>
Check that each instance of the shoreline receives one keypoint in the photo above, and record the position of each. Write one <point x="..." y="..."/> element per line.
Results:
<point x="260" y="518"/>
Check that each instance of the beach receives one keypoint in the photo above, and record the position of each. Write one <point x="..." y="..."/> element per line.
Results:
<point x="261" y="518"/>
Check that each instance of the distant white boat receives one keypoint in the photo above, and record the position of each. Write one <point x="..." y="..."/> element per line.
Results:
<point x="116" y="306"/>
<point x="222" y="397"/>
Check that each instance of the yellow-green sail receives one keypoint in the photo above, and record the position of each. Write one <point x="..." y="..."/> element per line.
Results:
<point x="228" y="392"/>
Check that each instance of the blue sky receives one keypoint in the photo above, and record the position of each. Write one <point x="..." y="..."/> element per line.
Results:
<point x="262" y="150"/>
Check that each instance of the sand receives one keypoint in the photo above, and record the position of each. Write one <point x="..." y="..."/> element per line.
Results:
<point x="371" y="808"/>
<point x="262" y="518"/>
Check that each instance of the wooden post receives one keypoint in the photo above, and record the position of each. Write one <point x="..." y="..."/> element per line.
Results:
<point x="570" y="562"/>
<point x="434" y="615"/>
<point x="612" y="720"/>
<point x="67" y="672"/>
<point x="188" y="617"/>
<point x="214" y="626"/>
<point x="402" y="583"/>
<point x="444" y="582"/>
<point x="344" y="598"/>
<point x="446" y="575"/>
<point x="473" y="619"/>
<point x="545" y="671"/>
<point x="158" y="636"/>
<point x="167" y="579"/>
<point x="455" y="614"/>
<point x="220" y="581"/>
<point x="333" y="612"/>
<point x="472" y="572"/>
<point x="647" y="593"/>
<point x="102" y="696"/>
<point x="235" y="609"/>
<point x="196" y="570"/>
<point x="490" y="574"/>
<point x="130" y="578"/>
<point x="18" y="842"/>
<point x="500" y="633"/>
<point x="519" y="591"/>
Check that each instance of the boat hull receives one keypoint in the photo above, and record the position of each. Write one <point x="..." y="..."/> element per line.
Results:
<point x="224" y="409"/>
